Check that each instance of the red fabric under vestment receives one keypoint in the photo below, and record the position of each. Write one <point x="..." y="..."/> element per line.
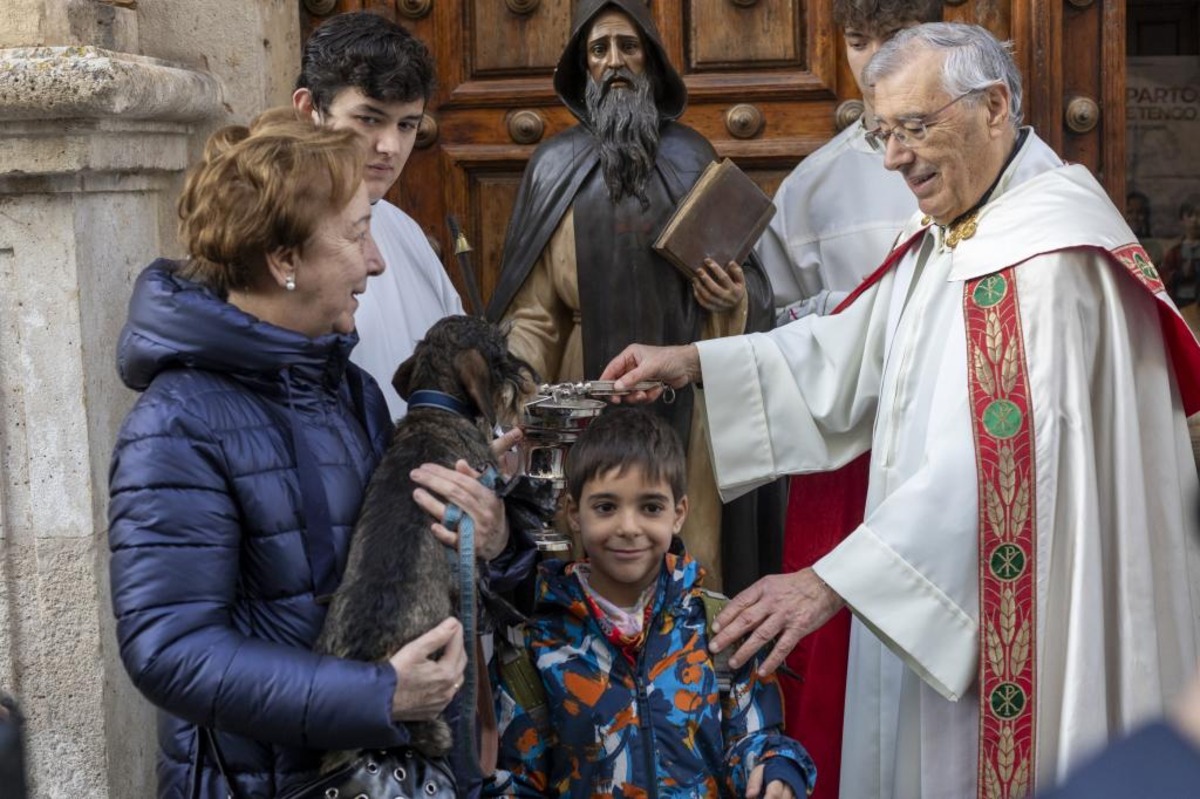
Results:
<point x="823" y="509"/>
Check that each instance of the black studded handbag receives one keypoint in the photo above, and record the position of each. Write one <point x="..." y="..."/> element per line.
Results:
<point x="401" y="773"/>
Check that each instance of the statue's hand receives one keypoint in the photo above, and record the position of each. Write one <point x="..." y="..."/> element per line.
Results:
<point x="719" y="290"/>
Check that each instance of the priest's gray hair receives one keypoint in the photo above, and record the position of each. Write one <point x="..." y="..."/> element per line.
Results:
<point x="975" y="60"/>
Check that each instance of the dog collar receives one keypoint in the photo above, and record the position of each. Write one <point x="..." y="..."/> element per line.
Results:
<point x="440" y="400"/>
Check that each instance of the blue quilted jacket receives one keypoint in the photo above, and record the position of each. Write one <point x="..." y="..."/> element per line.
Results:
<point x="211" y="579"/>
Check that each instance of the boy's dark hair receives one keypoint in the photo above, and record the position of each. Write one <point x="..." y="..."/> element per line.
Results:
<point x="367" y="52"/>
<point x="625" y="437"/>
<point x="1189" y="205"/>
<point x="884" y="15"/>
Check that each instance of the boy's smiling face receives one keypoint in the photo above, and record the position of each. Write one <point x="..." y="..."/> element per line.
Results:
<point x="625" y="523"/>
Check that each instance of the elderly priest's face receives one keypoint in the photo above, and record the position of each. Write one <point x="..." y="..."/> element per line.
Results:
<point x="965" y="141"/>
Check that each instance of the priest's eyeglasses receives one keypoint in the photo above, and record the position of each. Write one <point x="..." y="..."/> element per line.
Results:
<point x="912" y="130"/>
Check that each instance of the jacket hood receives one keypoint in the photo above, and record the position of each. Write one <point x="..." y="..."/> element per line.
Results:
<point x="175" y="323"/>
<point x="570" y="77"/>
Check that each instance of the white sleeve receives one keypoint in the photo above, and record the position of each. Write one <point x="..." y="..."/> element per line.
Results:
<point x="801" y="398"/>
<point x="792" y="267"/>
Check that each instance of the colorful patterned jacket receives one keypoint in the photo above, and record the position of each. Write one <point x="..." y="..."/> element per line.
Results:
<point x="619" y="729"/>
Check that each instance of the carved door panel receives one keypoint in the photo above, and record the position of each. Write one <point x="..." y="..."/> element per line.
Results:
<point x="767" y="82"/>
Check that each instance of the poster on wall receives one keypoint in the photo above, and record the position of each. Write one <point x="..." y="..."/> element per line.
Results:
<point x="1162" y="112"/>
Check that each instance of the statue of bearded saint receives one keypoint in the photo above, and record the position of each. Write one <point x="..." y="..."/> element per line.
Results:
<point x="624" y="118"/>
<point x="579" y="278"/>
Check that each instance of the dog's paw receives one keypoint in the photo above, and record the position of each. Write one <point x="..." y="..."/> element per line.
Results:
<point x="432" y="738"/>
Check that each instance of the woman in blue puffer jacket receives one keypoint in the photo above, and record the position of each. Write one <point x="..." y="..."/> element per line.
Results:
<point x="237" y="476"/>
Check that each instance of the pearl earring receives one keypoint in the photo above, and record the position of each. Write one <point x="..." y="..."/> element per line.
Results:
<point x="290" y="283"/>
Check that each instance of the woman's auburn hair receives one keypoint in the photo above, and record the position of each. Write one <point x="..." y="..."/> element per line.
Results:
<point x="260" y="189"/>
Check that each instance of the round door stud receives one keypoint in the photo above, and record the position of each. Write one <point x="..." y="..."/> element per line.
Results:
<point x="414" y="9"/>
<point x="319" y="8"/>
<point x="847" y="113"/>
<point x="526" y="126"/>
<point x="744" y="121"/>
<point x="427" y="132"/>
<point x="1082" y="115"/>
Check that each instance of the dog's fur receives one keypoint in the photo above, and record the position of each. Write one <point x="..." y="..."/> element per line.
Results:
<point x="398" y="584"/>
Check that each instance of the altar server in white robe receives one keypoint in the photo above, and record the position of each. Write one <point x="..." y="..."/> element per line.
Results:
<point x="365" y="73"/>
<point x="838" y="212"/>
<point x="362" y="72"/>
<point x="1022" y="584"/>
<point x="401" y="304"/>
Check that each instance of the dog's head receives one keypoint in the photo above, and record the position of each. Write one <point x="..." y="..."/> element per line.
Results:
<point x="468" y="358"/>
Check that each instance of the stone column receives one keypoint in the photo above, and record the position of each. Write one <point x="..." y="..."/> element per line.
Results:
<point x="94" y="138"/>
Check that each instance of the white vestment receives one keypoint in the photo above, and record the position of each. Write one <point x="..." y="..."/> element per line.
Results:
<point x="1115" y="485"/>
<point x="837" y="216"/>
<point x="400" y="305"/>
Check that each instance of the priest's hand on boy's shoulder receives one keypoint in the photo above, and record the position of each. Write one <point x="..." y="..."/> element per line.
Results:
<point x="787" y="606"/>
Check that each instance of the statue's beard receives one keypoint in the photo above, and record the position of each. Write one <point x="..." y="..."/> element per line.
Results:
<point x="626" y="123"/>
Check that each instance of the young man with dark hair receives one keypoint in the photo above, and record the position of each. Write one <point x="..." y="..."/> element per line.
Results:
<point x="362" y="72"/>
<point x="839" y="213"/>
<point x="840" y="210"/>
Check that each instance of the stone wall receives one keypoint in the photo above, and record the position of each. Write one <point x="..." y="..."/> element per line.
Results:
<point x="102" y="105"/>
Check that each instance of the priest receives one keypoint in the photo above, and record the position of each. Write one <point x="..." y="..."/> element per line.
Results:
<point x="1021" y="582"/>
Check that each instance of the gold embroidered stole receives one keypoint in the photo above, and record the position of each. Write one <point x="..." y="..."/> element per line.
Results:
<point x="1002" y="421"/>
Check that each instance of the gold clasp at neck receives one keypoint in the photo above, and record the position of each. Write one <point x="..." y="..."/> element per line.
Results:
<point x="961" y="230"/>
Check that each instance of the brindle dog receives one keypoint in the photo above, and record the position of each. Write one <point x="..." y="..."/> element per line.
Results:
<point x="398" y="582"/>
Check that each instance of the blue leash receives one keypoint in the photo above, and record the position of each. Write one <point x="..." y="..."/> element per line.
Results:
<point x="466" y="750"/>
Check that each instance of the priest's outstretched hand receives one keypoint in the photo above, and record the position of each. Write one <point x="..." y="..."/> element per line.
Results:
<point x="789" y="606"/>
<point x="674" y="366"/>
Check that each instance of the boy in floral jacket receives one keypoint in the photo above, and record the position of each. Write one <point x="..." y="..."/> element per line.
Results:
<point x="626" y="700"/>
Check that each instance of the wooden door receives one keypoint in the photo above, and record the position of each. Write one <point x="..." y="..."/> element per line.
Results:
<point x="767" y="80"/>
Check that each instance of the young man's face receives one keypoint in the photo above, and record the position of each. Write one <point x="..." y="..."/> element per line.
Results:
<point x="625" y="523"/>
<point x="387" y="129"/>
<point x="864" y="42"/>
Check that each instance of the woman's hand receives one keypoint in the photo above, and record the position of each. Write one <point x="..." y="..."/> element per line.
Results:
<point x="426" y="681"/>
<point x="461" y="486"/>
<point x="719" y="290"/>
<point x="504" y="451"/>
